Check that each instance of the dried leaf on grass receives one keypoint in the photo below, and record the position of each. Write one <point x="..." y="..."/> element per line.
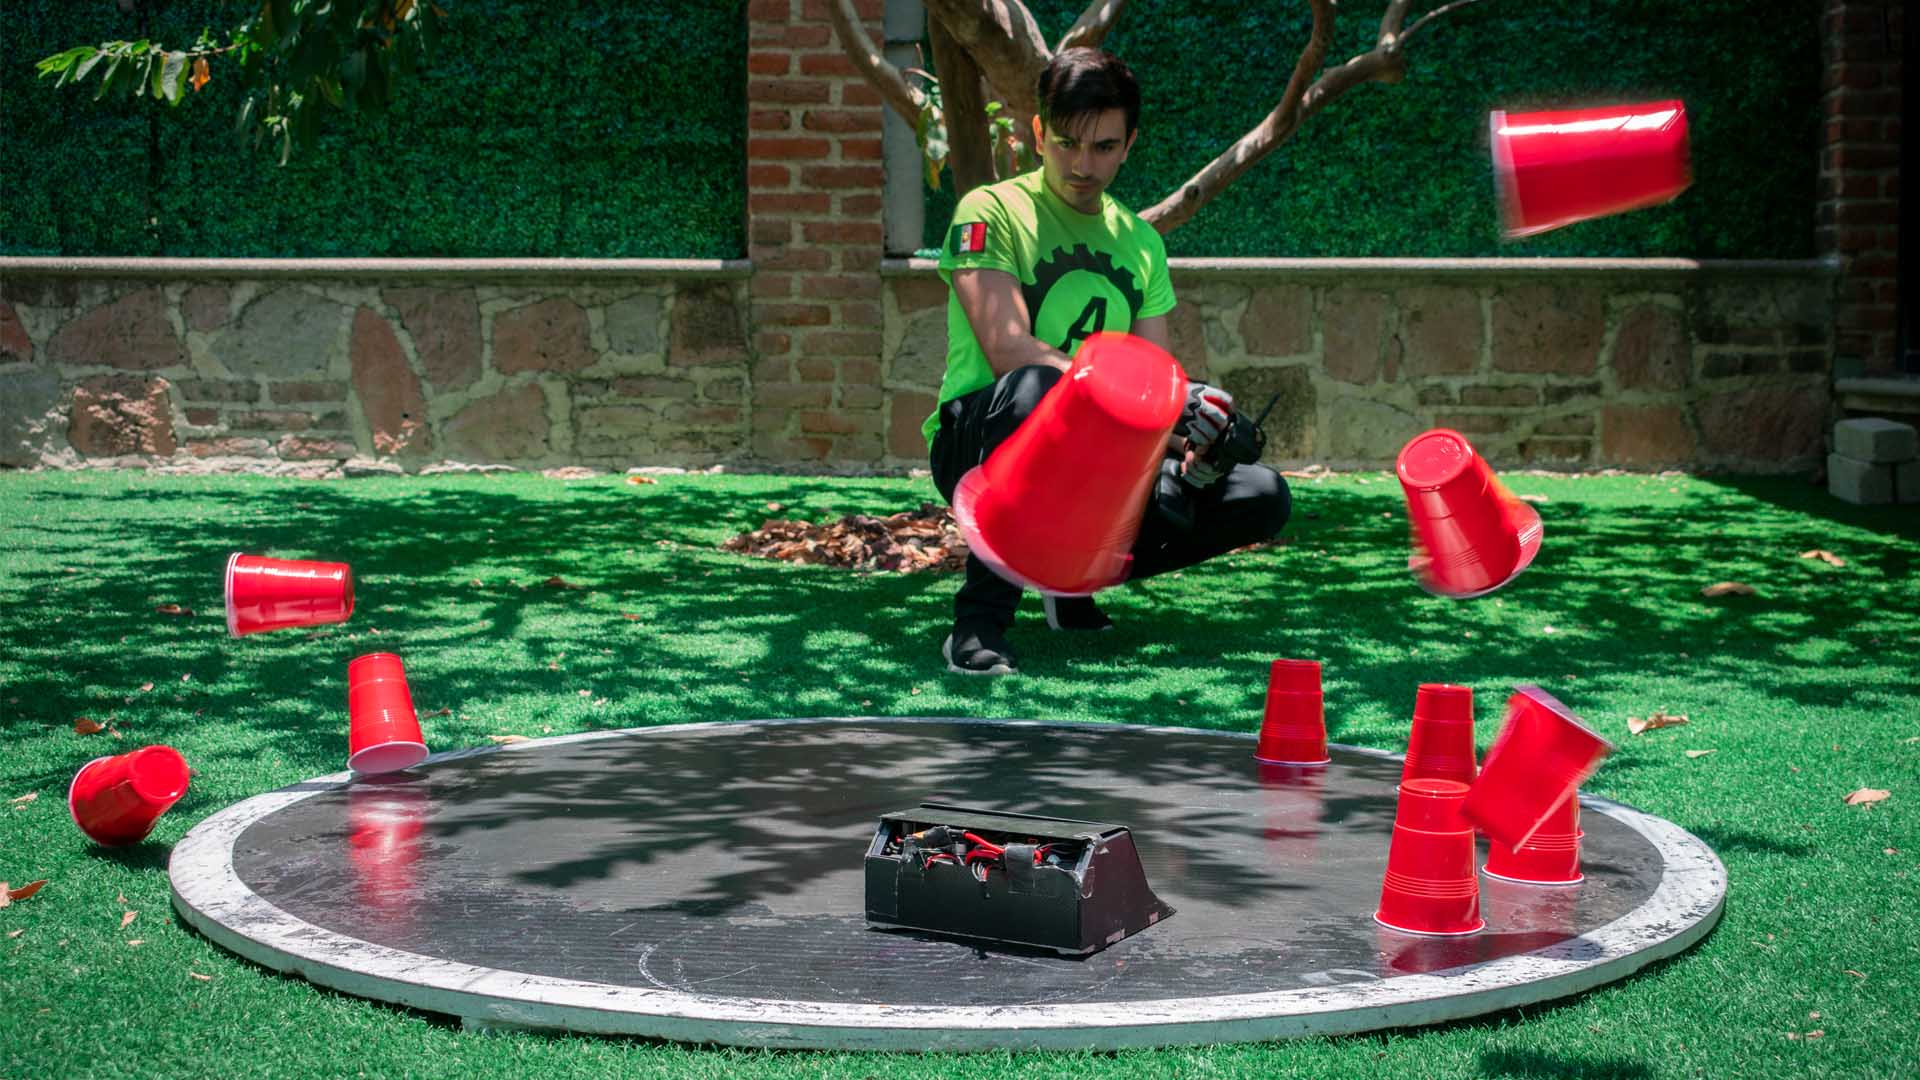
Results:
<point x="1311" y="472"/>
<point x="1699" y="753"/>
<point x="126" y="919"/>
<point x="84" y="726"/>
<point x="145" y="686"/>
<point x="19" y="802"/>
<point x="558" y="582"/>
<point x="24" y="892"/>
<point x="503" y="740"/>
<point x="641" y="480"/>
<point x="1727" y="588"/>
<point x="1827" y="557"/>
<point x="202" y="978"/>
<point x="908" y="542"/>
<point x="1867" y="795"/>
<point x="137" y="942"/>
<point x="442" y="712"/>
<point x="173" y="609"/>
<point x="1654" y="721"/>
<point x="11" y="934"/>
<point x="1536" y="498"/>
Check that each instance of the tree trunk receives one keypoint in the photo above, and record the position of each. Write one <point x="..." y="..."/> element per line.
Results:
<point x="969" y="142"/>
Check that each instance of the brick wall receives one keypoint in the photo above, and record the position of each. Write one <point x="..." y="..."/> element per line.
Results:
<point x="1859" y="212"/>
<point x="814" y="235"/>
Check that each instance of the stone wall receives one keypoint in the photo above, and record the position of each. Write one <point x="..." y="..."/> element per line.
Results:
<point x="1577" y="365"/>
<point x="313" y="375"/>
<point x="1552" y="363"/>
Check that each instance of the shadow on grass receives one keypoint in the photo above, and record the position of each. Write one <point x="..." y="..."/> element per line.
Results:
<point x="452" y="570"/>
<point x="1536" y="1063"/>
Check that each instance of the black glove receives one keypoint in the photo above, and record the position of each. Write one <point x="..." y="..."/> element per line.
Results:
<point x="1206" y="414"/>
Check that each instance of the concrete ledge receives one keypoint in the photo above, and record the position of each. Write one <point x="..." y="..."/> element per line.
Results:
<point x="389" y="269"/>
<point x="1460" y="268"/>
<point x="1878" y="395"/>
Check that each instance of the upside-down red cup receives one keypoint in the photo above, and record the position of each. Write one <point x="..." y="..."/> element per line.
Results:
<point x="116" y="800"/>
<point x="1440" y="744"/>
<point x="383" y="732"/>
<point x="1430" y="886"/>
<point x="275" y="594"/>
<point x="1538" y="760"/>
<point x="1472" y="535"/>
<point x="1293" y="728"/>
<point x="1558" y="167"/>
<point x="1551" y="856"/>
<point x="1056" y="507"/>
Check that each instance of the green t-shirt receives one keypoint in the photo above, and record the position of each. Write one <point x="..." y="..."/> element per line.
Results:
<point x="1080" y="273"/>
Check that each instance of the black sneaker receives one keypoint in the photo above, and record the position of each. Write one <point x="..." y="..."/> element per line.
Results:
<point x="979" y="650"/>
<point x="1075" y="613"/>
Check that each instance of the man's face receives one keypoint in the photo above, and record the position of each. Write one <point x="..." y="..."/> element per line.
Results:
<point x="1079" y="164"/>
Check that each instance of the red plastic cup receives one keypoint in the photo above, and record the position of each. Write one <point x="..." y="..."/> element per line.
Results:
<point x="1440" y="745"/>
<point x="1556" y="168"/>
<point x="1293" y="731"/>
<point x="1537" y="761"/>
<point x="1430" y="887"/>
<point x="1551" y="856"/>
<point x="383" y="733"/>
<point x="116" y="800"/>
<point x="1472" y="535"/>
<point x="275" y="594"/>
<point x="1057" y="505"/>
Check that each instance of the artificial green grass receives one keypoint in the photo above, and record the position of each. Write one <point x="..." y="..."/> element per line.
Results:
<point x="1805" y="692"/>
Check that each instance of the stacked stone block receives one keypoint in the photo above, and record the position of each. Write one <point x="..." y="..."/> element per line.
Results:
<point x="1874" y="461"/>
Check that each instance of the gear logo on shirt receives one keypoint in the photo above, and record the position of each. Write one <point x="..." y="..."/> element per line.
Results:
<point x="1073" y="295"/>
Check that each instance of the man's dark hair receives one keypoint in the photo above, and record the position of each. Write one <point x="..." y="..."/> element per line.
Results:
<point x="1081" y="83"/>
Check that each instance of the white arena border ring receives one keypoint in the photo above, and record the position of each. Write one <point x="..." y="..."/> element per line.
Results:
<point x="211" y="898"/>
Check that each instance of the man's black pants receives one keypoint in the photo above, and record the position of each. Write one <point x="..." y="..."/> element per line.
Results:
<point x="1249" y="505"/>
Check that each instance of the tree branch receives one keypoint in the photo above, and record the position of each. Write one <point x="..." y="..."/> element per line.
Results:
<point x="872" y="63"/>
<point x="969" y="145"/>
<point x="1385" y="62"/>
<point x="1091" y="28"/>
<point x="1003" y="39"/>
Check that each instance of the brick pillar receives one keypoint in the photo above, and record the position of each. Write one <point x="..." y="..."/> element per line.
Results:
<point x="814" y="234"/>
<point x="1858" y="217"/>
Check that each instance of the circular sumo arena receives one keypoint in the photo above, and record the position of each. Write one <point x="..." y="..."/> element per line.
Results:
<point x="705" y="883"/>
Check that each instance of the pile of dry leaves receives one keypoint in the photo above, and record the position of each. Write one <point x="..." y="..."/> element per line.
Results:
<point x="910" y="541"/>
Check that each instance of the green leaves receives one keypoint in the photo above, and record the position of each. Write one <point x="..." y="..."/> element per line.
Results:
<point x="296" y="54"/>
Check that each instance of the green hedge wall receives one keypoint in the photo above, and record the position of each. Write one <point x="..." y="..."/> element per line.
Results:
<point x="542" y="128"/>
<point x="1403" y="170"/>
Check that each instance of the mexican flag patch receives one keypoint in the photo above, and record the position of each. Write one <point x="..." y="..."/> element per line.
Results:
<point x="968" y="239"/>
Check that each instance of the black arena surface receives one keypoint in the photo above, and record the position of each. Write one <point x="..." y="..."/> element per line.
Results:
<point x="722" y="863"/>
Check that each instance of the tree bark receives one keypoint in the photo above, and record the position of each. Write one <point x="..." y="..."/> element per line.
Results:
<point x="1003" y="39"/>
<point x="871" y="62"/>
<point x="1091" y="28"/>
<point x="969" y="140"/>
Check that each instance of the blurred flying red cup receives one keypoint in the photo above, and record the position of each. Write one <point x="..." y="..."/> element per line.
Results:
<point x="116" y="800"/>
<point x="1440" y="743"/>
<point x="1538" y="760"/>
<point x="1551" y="856"/>
<point x="275" y="594"/>
<point x="383" y="732"/>
<point x="1056" y="507"/>
<point x="1558" y="167"/>
<point x="1430" y="886"/>
<point x="1472" y="534"/>
<point x="1293" y="729"/>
